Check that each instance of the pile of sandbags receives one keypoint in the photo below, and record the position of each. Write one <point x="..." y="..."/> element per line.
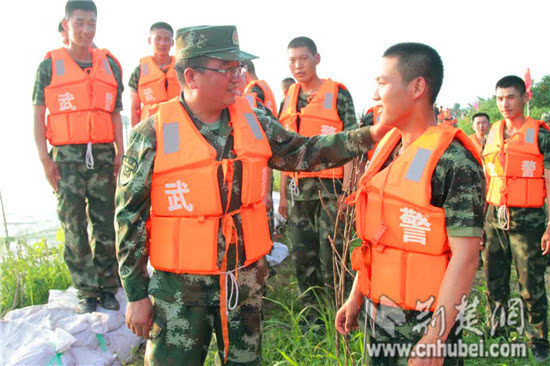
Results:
<point x="53" y="334"/>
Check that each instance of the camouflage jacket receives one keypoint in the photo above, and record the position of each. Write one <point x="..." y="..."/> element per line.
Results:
<point x="291" y="152"/>
<point x="309" y="188"/>
<point x="102" y="153"/>
<point x="525" y="218"/>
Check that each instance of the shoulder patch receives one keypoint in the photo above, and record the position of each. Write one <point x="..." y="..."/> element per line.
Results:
<point x="129" y="168"/>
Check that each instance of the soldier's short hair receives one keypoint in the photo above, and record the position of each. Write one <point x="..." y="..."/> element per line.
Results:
<point x="86" y="5"/>
<point x="186" y="63"/>
<point x="481" y="114"/>
<point x="162" y="25"/>
<point x="418" y="60"/>
<point x="512" y="81"/>
<point x="249" y="66"/>
<point x="303" y="42"/>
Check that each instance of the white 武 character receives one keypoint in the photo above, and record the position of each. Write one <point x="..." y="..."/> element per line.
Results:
<point x="65" y="101"/>
<point x="327" y="130"/>
<point x="414" y="226"/>
<point x="528" y="168"/>
<point x="174" y="192"/>
<point x="148" y="93"/>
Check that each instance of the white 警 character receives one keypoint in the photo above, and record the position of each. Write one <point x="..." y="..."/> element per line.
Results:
<point x="174" y="192"/>
<point x="65" y="101"/>
<point x="108" y="101"/>
<point x="414" y="226"/>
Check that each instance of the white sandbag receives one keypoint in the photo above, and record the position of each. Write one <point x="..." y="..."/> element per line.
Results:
<point x="49" y="347"/>
<point x="76" y="323"/>
<point x="65" y="298"/>
<point x="86" y="356"/>
<point x="121" y="342"/>
<point x="115" y="318"/>
<point x="87" y="339"/>
<point x="278" y="254"/>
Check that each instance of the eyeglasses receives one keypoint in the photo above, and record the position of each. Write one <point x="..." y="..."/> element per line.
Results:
<point x="231" y="73"/>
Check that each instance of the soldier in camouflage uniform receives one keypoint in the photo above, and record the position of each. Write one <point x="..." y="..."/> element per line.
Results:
<point x="314" y="202"/>
<point x="523" y="239"/>
<point x="84" y="183"/>
<point x="457" y="186"/>
<point x="185" y="308"/>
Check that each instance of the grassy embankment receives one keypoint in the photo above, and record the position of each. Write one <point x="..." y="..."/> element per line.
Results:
<point x="29" y="271"/>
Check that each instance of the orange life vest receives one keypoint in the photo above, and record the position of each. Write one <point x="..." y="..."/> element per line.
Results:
<point x="185" y="197"/>
<point x="476" y="142"/>
<point x="269" y="98"/>
<point x="80" y="102"/>
<point x="515" y="166"/>
<point x="405" y="250"/>
<point x="319" y="117"/>
<point x="156" y="86"/>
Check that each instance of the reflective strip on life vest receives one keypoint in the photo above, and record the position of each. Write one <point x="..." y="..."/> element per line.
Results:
<point x="418" y="164"/>
<point x="253" y="124"/>
<point x="170" y="134"/>
<point x="60" y="67"/>
<point x="530" y="135"/>
<point x="251" y="100"/>
<point x="328" y="101"/>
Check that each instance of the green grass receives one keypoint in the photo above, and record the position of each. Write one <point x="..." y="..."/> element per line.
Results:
<point x="28" y="272"/>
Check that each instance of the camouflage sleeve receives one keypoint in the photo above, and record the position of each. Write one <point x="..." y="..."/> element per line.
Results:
<point x="292" y="152"/>
<point x="120" y="88"/>
<point x="42" y="80"/>
<point x="132" y="209"/>
<point x="346" y="110"/>
<point x="544" y="146"/>
<point x="134" y="79"/>
<point x="458" y="186"/>
<point x="259" y="92"/>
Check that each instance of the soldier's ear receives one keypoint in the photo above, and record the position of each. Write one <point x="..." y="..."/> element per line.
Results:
<point x="191" y="77"/>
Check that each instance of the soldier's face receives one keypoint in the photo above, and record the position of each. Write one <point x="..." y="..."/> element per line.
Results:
<point x="480" y="125"/>
<point x="162" y="41"/>
<point x="81" y="27"/>
<point x="218" y="90"/>
<point x="302" y="63"/>
<point x="393" y="94"/>
<point x="510" y="102"/>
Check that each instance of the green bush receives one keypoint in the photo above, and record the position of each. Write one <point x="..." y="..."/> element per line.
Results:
<point x="28" y="272"/>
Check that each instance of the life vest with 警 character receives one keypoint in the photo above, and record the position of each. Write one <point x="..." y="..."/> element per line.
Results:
<point x="405" y="250"/>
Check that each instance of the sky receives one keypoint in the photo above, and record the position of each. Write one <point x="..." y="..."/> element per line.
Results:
<point x="479" y="42"/>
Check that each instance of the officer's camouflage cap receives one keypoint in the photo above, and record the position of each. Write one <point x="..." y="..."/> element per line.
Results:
<point x="221" y="42"/>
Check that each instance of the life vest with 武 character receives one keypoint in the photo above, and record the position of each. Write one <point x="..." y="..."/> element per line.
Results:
<point x="319" y="117"/>
<point x="80" y="102"/>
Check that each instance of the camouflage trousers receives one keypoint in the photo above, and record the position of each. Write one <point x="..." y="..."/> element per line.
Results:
<point x="311" y="223"/>
<point x="523" y="247"/>
<point x="394" y="326"/>
<point x="181" y="333"/>
<point x="87" y="195"/>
